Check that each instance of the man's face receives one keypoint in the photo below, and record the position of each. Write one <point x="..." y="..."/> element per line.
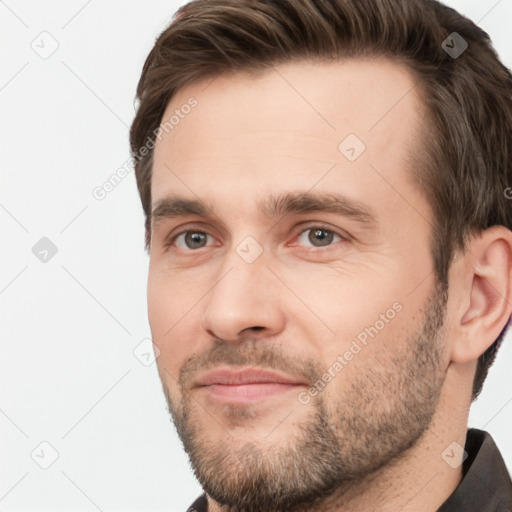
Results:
<point x="298" y="351"/>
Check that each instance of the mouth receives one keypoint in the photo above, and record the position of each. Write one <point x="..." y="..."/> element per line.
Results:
<point x="246" y="386"/>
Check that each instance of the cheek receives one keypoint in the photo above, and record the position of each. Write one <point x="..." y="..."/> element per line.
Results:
<point x="367" y="324"/>
<point x="165" y="317"/>
<point x="359" y="366"/>
<point x="167" y="299"/>
<point x="340" y="300"/>
<point x="174" y="314"/>
<point x="160" y="305"/>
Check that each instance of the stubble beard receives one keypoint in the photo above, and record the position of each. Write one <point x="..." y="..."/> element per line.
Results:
<point x="380" y="415"/>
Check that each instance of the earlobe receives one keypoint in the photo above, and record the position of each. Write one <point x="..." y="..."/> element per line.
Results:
<point x="489" y="260"/>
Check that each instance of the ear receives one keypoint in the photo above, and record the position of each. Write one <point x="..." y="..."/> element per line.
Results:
<point x="486" y="287"/>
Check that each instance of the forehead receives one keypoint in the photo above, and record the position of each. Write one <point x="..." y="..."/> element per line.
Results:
<point x="287" y="128"/>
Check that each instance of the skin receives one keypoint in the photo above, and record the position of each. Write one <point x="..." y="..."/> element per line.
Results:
<point x="389" y="414"/>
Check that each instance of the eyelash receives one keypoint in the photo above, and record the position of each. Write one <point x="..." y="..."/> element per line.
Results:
<point x="297" y="233"/>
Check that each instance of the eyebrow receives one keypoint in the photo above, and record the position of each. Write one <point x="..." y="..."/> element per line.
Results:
<point x="276" y="205"/>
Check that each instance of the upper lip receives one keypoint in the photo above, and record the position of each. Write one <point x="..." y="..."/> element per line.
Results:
<point x="232" y="377"/>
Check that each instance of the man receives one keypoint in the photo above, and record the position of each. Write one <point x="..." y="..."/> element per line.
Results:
<point x="325" y="190"/>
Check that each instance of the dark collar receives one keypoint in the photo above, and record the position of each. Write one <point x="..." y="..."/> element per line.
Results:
<point x="486" y="484"/>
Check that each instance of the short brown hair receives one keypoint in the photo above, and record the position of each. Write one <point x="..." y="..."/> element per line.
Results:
<point x="465" y="159"/>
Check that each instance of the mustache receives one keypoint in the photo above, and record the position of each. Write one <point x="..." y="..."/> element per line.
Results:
<point x="250" y="352"/>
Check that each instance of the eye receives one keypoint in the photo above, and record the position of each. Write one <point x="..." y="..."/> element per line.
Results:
<point x="315" y="236"/>
<point x="191" y="239"/>
<point x="318" y="236"/>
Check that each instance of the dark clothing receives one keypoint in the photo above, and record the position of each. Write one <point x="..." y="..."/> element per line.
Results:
<point x="485" y="486"/>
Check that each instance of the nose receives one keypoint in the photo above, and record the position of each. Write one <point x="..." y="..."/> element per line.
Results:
<point x="244" y="301"/>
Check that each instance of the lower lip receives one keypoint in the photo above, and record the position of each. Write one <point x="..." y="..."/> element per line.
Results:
<point x="248" y="393"/>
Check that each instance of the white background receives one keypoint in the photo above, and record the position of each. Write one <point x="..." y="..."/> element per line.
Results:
<point x="70" y="325"/>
